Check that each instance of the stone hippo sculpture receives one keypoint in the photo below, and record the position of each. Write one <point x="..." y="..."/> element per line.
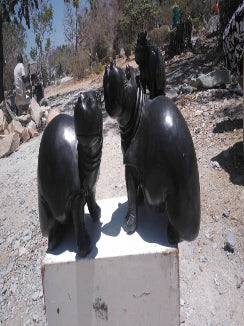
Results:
<point x="68" y="171"/>
<point x="158" y="154"/>
<point x="151" y="65"/>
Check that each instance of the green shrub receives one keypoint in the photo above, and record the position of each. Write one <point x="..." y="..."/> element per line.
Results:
<point x="105" y="60"/>
<point x="158" y="36"/>
<point x="129" y="48"/>
<point x="197" y="24"/>
<point x="79" y="63"/>
<point x="98" y="68"/>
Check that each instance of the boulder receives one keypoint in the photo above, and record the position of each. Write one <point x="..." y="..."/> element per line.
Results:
<point x="3" y="122"/>
<point x="31" y="125"/>
<point x="213" y="79"/>
<point x="212" y="26"/>
<point x="1" y="119"/>
<point x="15" y="126"/>
<point x="36" y="112"/>
<point x="25" y="135"/>
<point x="25" y="118"/>
<point x="53" y="114"/>
<point x="33" y="132"/>
<point x="44" y="102"/>
<point x="9" y="143"/>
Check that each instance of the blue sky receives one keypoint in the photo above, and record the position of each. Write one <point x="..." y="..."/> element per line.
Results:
<point x="57" y="36"/>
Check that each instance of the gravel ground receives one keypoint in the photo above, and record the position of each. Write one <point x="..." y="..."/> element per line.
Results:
<point x="211" y="273"/>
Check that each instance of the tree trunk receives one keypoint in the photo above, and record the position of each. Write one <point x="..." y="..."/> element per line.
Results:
<point x="1" y="55"/>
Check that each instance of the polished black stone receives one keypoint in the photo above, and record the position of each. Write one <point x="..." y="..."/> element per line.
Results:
<point x="68" y="165"/>
<point x="159" y="156"/>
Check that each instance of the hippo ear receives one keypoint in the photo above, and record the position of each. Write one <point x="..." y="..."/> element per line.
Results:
<point x="111" y="64"/>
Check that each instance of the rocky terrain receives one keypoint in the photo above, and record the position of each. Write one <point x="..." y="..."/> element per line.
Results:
<point x="211" y="267"/>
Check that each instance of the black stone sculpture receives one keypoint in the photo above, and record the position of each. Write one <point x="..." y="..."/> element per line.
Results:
<point x="68" y="171"/>
<point x="151" y="65"/>
<point x="158" y="153"/>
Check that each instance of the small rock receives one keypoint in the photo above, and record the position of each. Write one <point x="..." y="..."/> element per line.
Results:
<point x="182" y="302"/>
<point x="215" y="165"/>
<point x="197" y="130"/>
<point x="25" y="136"/>
<point x="22" y="202"/>
<point x="230" y="242"/>
<point x="203" y="259"/>
<point x="31" y="125"/>
<point x="214" y="246"/>
<point x="33" y="132"/>
<point x="216" y="281"/>
<point x="35" y="296"/>
<point x="238" y="281"/>
<point x="9" y="143"/>
<point x="22" y="251"/>
<point x="182" y="319"/>
<point x="198" y="112"/>
<point x="35" y="111"/>
<point x="226" y="213"/>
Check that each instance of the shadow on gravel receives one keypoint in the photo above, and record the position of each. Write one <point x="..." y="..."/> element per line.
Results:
<point x="232" y="161"/>
<point x="228" y="125"/>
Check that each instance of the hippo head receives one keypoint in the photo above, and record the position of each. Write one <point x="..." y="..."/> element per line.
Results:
<point x="140" y="49"/>
<point x="88" y="119"/>
<point x="116" y="89"/>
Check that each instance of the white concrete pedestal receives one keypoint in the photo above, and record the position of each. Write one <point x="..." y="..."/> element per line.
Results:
<point x="126" y="280"/>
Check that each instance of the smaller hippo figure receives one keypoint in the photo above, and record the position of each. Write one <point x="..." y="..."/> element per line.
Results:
<point x="68" y="170"/>
<point x="158" y="153"/>
<point x="151" y="65"/>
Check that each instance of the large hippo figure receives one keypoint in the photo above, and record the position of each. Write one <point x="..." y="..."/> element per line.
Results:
<point x="158" y="153"/>
<point x="151" y="65"/>
<point x="67" y="176"/>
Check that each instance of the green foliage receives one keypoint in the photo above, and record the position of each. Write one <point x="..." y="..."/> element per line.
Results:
<point x="100" y="46"/>
<point x="13" y="43"/>
<point x="42" y="24"/>
<point x="12" y="11"/>
<point x="128" y="49"/>
<point x="58" y="69"/>
<point x="44" y="74"/>
<point x="78" y="64"/>
<point x="158" y="36"/>
<point x="137" y="15"/>
<point x="48" y="44"/>
<point x="98" y="68"/>
<point x="197" y="24"/>
<point x="33" y="53"/>
<point x="105" y="60"/>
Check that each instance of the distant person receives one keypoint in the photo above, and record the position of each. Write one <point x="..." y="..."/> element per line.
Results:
<point x="22" y="100"/>
<point x="216" y="10"/>
<point x="233" y="44"/>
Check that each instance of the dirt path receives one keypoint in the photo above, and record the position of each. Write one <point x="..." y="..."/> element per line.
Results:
<point x="211" y="279"/>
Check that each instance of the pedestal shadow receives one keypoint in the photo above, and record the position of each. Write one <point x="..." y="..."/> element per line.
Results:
<point x="151" y="227"/>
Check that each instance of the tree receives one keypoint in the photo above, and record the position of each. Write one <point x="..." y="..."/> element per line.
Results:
<point x="13" y="43"/>
<point x="42" y="26"/>
<point x="8" y="13"/>
<point x="71" y="22"/>
<point x="137" y="15"/>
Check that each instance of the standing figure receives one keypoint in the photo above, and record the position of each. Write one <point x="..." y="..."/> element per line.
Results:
<point x="22" y="100"/>
<point x="151" y="65"/>
<point x="67" y="175"/>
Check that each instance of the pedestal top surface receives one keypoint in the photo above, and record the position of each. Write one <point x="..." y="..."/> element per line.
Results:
<point x="110" y="240"/>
